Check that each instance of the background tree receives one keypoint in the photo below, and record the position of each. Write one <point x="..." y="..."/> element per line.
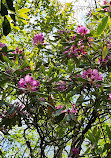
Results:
<point x="55" y="82"/>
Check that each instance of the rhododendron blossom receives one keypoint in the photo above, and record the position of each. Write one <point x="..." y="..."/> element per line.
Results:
<point x="109" y="96"/>
<point x="61" y="31"/>
<point x="100" y="60"/>
<point x="42" y="99"/>
<point x="92" y="75"/>
<point x="62" y="86"/>
<point x="38" y="39"/>
<point x="82" y="30"/>
<point x="70" y="110"/>
<point x="75" y="51"/>
<point x="29" y="83"/>
<point x="18" y="51"/>
<point x="59" y="107"/>
<point x="106" y="3"/>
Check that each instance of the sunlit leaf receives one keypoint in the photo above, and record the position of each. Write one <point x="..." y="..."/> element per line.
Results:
<point x="102" y="25"/>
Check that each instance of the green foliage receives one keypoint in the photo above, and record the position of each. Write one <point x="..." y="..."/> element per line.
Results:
<point x="3" y="10"/>
<point x="102" y="25"/>
<point x="71" y="107"/>
<point x="6" y="26"/>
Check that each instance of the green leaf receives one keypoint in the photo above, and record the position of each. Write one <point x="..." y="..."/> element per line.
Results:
<point x="59" y="118"/>
<point x="13" y="17"/>
<point x="102" y="25"/>
<point x="70" y="65"/>
<point x="3" y="81"/>
<point x="81" y="80"/>
<point x="68" y="117"/>
<point x="3" y="10"/>
<point x="90" y="136"/>
<point x="57" y="112"/>
<point x="108" y="131"/>
<point x="4" y="49"/>
<point x="6" y="26"/>
<point x="10" y="5"/>
<point x="24" y="10"/>
<point x="22" y="13"/>
<point x="104" y="52"/>
<point x="107" y="146"/>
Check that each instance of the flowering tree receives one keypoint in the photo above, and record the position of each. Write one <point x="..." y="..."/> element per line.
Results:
<point x="55" y="82"/>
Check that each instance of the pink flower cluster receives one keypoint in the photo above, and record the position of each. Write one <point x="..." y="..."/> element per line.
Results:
<point x="59" y="107"/>
<point x="92" y="75"/>
<point x="105" y="2"/>
<point x="61" y="32"/>
<point x="109" y="96"/>
<point x="69" y="111"/>
<point x="108" y="4"/>
<point x="2" y="45"/>
<point x="38" y="39"/>
<point x="18" y="51"/>
<point x="82" y="30"/>
<point x="100" y="60"/>
<point x="79" y="48"/>
<point x="62" y="86"/>
<point x="29" y="83"/>
<point x="77" y="51"/>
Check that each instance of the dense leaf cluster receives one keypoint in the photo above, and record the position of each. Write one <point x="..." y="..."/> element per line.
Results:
<point x="55" y="82"/>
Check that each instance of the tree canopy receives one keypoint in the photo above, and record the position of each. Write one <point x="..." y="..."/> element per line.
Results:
<point x="55" y="81"/>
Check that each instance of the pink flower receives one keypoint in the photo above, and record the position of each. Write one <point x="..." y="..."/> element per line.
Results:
<point x="35" y="83"/>
<point x="84" y="74"/>
<point x="33" y="89"/>
<point x="73" y="105"/>
<point x="20" y="108"/>
<point x="83" y="30"/>
<point x="68" y="111"/>
<point x="62" y="86"/>
<point x="29" y="83"/>
<point x="73" y="111"/>
<point x="75" y="151"/>
<point x="90" y="39"/>
<point x="28" y="78"/>
<point x="21" y="83"/>
<point x="96" y="75"/>
<point x="106" y="9"/>
<point x="61" y="31"/>
<point x="63" y="111"/>
<point x="42" y="99"/>
<point x="59" y="107"/>
<point x="92" y="75"/>
<point x="103" y="60"/>
<point x="38" y="39"/>
<point x="73" y="38"/>
<point x="109" y="96"/>
<point x="2" y="45"/>
<point x="105" y="2"/>
<point x="17" y="51"/>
